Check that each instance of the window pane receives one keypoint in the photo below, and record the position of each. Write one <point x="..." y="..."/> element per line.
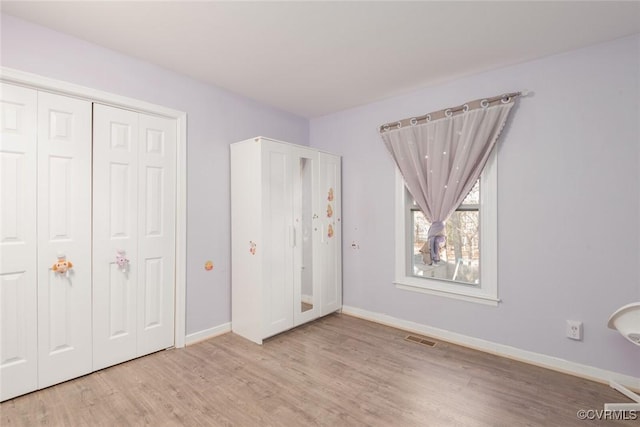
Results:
<point x="473" y="198"/>
<point x="460" y="259"/>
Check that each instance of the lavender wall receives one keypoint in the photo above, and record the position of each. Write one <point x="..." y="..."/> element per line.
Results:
<point x="215" y="119"/>
<point x="568" y="214"/>
<point x="568" y="178"/>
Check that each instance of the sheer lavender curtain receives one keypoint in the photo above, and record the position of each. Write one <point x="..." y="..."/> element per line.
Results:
<point x="442" y="158"/>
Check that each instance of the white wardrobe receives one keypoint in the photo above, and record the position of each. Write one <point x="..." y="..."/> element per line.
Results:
<point x="89" y="185"/>
<point x="286" y="236"/>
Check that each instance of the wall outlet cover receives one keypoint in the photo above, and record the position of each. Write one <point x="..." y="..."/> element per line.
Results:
<point x="574" y="330"/>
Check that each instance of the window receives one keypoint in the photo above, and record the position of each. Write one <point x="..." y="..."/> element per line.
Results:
<point x="460" y="257"/>
<point x="468" y="266"/>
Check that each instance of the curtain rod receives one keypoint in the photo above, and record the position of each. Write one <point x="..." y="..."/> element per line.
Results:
<point x="485" y="102"/>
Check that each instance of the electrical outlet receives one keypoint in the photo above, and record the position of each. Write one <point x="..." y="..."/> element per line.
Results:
<point x="574" y="330"/>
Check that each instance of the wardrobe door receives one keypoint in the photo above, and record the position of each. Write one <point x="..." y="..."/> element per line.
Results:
<point x="330" y="255"/>
<point x="246" y="240"/>
<point x="278" y="238"/>
<point x="156" y="233"/>
<point x="115" y="235"/>
<point x="64" y="234"/>
<point x="18" y="270"/>
<point x="306" y="286"/>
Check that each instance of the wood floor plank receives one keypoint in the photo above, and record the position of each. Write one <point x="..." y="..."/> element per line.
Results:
<point x="337" y="371"/>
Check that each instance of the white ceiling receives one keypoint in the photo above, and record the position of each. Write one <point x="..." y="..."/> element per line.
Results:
<point x="315" y="58"/>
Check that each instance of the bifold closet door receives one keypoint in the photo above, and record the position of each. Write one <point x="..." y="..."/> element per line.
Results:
<point x="18" y="245"/>
<point x="134" y="217"/>
<point x="64" y="230"/>
<point x="45" y="215"/>
<point x="115" y="219"/>
<point x="156" y="233"/>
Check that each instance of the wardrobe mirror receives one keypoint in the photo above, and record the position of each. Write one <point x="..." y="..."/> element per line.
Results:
<point x="306" y="228"/>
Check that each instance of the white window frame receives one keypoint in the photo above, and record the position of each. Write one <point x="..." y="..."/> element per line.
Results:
<point x="487" y="292"/>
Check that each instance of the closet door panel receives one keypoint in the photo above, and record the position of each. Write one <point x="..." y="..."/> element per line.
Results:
<point x="247" y="240"/>
<point x="156" y="233"/>
<point x="64" y="233"/>
<point x="306" y="286"/>
<point x="330" y="258"/>
<point x="279" y="238"/>
<point x="18" y="268"/>
<point x="115" y="234"/>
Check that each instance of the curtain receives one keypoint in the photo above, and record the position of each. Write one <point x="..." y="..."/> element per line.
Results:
<point x="442" y="158"/>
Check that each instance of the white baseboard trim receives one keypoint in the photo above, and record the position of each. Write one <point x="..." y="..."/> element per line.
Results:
<point x="530" y="357"/>
<point x="208" y="333"/>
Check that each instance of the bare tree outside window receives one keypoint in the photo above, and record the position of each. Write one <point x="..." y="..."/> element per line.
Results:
<point x="460" y="258"/>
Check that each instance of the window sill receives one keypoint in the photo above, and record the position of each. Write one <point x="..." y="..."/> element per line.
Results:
<point x="423" y="286"/>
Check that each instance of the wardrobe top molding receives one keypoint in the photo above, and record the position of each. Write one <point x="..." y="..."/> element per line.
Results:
<point x="264" y="138"/>
<point x="36" y="81"/>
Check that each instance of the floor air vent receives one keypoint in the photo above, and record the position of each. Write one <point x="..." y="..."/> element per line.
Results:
<point x="420" y="340"/>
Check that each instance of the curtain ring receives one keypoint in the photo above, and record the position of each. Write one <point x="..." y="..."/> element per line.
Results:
<point x="428" y="117"/>
<point x="448" y="112"/>
<point x="385" y="128"/>
<point x="484" y="103"/>
<point x="413" y="121"/>
<point x="398" y="125"/>
<point x="465" y="108"/>
<point x="505" y="99"/>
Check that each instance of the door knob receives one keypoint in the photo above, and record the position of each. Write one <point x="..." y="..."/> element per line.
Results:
<point x="62" y="266"/>
<point x="122" y="261"/>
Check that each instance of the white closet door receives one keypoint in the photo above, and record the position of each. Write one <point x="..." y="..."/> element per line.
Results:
<point x="18" y="271"/>
<point x="134" y="214"/>
<point x="64" y="228"/>
<point x="115" y="220"/>
<point x="278" y="236"/>
<point x="331" y="248"/>
<point x="156" y="233"/>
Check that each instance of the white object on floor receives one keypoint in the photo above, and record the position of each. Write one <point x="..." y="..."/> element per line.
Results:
<point x="627" y="321"/>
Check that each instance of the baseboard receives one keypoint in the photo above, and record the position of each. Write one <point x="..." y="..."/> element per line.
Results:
<point x="542" y="360"/>
<point x="207" y="333"/>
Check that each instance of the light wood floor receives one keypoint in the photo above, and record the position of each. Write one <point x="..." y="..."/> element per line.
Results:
<point x="337" y="371"/>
